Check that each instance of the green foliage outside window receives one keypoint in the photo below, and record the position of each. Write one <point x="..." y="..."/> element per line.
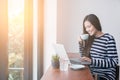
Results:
<point x="16" y="46"/>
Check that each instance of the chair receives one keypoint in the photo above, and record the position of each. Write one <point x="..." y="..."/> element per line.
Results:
<point x="117" y="72"/>
<point x="95" y="76"/>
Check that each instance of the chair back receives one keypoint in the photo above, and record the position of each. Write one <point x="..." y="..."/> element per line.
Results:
<point x="117" y="72"/>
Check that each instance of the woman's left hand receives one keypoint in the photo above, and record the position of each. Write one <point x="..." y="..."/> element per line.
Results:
<point x="86" y="59"/>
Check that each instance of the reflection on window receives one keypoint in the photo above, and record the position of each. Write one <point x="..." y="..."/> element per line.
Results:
<point x="16" y="39"/>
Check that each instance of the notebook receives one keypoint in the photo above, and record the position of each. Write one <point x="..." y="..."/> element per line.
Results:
<point x="60" y="50"/>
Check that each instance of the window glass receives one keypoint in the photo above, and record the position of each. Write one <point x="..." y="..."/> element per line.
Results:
<point x="16" y="39"/>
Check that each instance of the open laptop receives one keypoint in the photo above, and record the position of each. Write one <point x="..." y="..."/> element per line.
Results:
<point x="60" y="50"/>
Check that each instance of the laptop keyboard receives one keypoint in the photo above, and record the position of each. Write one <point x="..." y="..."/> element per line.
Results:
<point x="78" y="61"/>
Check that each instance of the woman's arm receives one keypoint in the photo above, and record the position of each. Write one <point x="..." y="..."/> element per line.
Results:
<point x="111" y="58"/>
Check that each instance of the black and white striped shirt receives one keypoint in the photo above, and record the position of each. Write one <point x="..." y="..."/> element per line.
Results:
<point x="104" y="57"/>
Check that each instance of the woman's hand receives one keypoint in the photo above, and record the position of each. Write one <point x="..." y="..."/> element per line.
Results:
<point x="81" y="45"/>
<point x="81" y="42"/>
<point x="86" y="59"/>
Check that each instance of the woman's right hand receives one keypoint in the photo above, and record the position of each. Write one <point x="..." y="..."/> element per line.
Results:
<point x="81" y="42"/>
<point x="81" y="45"/>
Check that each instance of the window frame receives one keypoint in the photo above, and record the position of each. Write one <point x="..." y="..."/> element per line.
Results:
<point x="28" y="40"/>
<point x="3" y="40"/>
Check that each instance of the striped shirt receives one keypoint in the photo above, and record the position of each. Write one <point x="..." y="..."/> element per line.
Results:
<point x="104" y="57"/>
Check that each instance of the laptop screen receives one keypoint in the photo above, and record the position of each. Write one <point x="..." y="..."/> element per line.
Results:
<point x="60" y="50"/>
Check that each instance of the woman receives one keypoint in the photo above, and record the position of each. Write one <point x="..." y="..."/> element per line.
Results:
<point x="100" y="49"/>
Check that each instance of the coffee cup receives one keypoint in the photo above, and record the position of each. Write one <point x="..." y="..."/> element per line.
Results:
<point x="84" y="36"/>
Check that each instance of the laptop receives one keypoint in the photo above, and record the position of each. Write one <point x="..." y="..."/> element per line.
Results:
<point x="60" y="50"/>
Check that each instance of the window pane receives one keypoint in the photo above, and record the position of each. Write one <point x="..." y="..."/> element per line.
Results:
<point x="16" y="39"/>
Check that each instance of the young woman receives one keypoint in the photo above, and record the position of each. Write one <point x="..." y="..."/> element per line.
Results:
<point x="100" y="49"/>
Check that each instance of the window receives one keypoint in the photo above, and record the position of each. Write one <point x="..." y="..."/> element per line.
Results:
<point x="16" y="39"/>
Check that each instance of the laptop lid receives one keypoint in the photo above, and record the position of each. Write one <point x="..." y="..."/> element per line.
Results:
<point x="60" y="50"/>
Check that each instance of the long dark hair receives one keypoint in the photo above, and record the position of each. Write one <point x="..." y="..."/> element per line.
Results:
<point x="93" y="19"/>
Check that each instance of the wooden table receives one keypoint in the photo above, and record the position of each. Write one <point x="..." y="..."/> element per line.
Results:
<point x="56" y="74"/>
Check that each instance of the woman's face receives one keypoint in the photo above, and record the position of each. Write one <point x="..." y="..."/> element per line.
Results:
<point x="90" y="28"/>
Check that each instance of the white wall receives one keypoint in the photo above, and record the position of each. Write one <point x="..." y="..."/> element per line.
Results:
<point x="72" y="12"/>
<point x="50" y="20"/>
<point x="35" y="69"/>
